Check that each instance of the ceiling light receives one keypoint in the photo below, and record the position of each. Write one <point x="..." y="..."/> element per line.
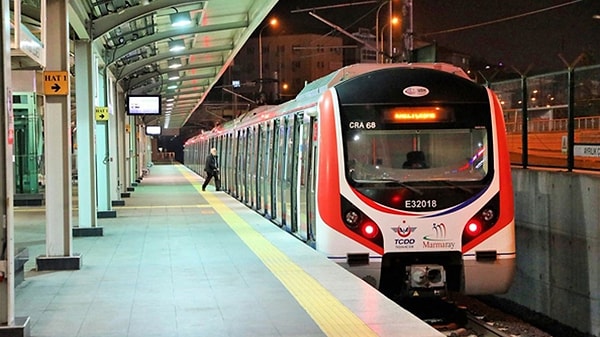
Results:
<point x="176" y="45"/>
<point x="173" y="75"/>
<point x="174" y="63"/>
<point x="172" y="86"/>
<point x="180" y="19"/>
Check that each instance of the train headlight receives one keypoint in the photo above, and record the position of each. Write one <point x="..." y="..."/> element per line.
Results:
<point x="487" y="214"/>
<point x="360" y="224"/>
<point x="481" y="221"/>
<point x="369" y="230"/>
<point x="352" y="218"/>
<point x="473" y="228"/>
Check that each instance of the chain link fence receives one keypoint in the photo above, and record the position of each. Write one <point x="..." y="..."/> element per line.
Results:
<point x="553" y="120"/>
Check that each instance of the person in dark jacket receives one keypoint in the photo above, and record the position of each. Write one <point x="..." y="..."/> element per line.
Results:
<point x="212" y="170"/>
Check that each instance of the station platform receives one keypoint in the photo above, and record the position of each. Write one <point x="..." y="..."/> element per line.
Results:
<point x="179" y="262"/>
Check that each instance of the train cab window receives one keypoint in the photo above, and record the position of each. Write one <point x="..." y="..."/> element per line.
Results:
<point x="415" y="160"/>
<point x="454" y="148"/>
<point x="443" y="154"/>
<point x="395" y="153"/>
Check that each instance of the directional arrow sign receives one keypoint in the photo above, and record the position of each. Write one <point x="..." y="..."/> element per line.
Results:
<point x="56" y="83"/>
<point x="101" y="113"/>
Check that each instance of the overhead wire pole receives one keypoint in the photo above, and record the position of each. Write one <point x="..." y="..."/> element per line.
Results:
<point x="341" y="30"/>
<point x="391" y="31"/>
<point x="377" y="27"/>
<point x="311" y="11"/>
<point x="409" y="35"/>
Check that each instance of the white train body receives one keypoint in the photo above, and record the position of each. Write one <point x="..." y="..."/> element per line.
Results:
<point x="399" y="172"/>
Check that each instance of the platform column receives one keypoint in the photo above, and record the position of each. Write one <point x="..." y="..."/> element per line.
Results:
<point x="57" y="140"/>
<point x="134" y="153"/>
<point x="104" y="157"/>
<point x="123" y="131"/>
<point x="86" y="169"/>
<point x="7" y="294"/>
<point x="115" y="141"/>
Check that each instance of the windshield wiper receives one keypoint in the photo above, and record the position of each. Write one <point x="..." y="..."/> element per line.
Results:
<point x="390" y="180"/>
<point x="449" y="183"/>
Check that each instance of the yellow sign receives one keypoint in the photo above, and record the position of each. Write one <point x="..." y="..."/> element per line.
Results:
<point x="56" y="83"/>
<point x="101" y="113"/>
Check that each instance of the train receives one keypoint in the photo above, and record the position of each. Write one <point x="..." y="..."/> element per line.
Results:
<point x="398" y="172"/>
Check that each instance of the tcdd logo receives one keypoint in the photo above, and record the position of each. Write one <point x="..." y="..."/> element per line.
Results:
<point x="404" y="232"/>
<point x="405" y="241"/>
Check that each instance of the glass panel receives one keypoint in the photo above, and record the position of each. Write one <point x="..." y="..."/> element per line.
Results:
<point x="417" y="155"/>
<point x="281" y="172"/>
<point x="289" y="174"/>
<point x="305" y="159"/>
<point x="251" y="168"/>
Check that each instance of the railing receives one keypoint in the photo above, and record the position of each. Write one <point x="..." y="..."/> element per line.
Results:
<point x="563" y="116"/>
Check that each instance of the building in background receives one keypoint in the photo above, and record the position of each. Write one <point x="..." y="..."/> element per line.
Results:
<point x="288" y="63"/>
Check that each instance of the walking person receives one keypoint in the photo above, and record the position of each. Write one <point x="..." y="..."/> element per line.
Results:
<point x="212" y="170"/>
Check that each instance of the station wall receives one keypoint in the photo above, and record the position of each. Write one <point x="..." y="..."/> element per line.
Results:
<point x="558" y="246"/>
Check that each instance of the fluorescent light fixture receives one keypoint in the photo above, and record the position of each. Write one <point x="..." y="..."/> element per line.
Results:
<point x="170" y="99"/>
<point x="180" y="19"/>
<point x="173" y="75"/>
<point x="174" y="63"/>
<point x="153" y="130"/>
<point x="176" y="45"/>
<point x="172" y="86"/>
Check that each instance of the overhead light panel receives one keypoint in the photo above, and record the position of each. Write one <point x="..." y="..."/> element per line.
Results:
<point x="180" y="19"/>
<point x="176" y="45"/>
<point x="173" y="75"/>
<point x="174" y="63"/>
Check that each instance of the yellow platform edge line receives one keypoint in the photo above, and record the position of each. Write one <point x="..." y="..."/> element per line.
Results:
<point x="332" y="317"/>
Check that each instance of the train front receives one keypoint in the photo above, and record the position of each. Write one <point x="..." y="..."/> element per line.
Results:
<point x="423" y="179"/>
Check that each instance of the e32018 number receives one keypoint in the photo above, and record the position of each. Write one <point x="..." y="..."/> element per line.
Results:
<point x="420" y="203"/>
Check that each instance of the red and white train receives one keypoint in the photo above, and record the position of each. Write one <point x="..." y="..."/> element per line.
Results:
<point x="399" y="172"/>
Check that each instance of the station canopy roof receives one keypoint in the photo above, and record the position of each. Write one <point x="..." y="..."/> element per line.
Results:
<point x="151" y="51"/>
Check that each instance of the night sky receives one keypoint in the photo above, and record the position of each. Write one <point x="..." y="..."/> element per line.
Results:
<point x="526" y="41"/>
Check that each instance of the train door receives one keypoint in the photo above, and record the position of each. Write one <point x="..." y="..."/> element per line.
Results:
<point x="305" y="183"/>
<point x="233" y="171"/>
<point x="279" y="145"/>
<point x="260" y="160"/>
<point x="242" y="156"/>
<point x="225" y="162"/>
<point x="251" y="167"/>
<point x="220" y="146"/>
<point x="272" y="144"/>
<point x="288" y="181"/>
<point x="312" y="182"/>
<point x="266" y="169"/>
<point x="295" y="169"/>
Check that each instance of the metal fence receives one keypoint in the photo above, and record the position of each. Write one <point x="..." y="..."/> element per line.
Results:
<point x="562" y="111"/>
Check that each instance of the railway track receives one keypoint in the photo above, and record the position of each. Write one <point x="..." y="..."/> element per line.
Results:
<point x="478" y="327"/>
<point x="474" y="327"/>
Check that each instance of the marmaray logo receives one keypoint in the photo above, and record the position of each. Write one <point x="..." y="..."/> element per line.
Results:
<point x="438" y="239"/>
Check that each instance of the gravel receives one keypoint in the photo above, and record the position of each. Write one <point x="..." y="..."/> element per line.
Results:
<point x="514" y="319"/>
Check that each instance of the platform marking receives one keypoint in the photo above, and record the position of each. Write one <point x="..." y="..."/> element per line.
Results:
<point x="31" y="209"/>
<point x="333" y="317"/>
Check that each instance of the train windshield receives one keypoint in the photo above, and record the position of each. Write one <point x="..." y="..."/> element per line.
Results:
<point x="420" y="150"/>
<point x="418" y="155"/>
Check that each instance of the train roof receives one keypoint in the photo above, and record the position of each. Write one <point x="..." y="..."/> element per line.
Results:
<point x="322" y="84"/>
<point x="317" y="87"/>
